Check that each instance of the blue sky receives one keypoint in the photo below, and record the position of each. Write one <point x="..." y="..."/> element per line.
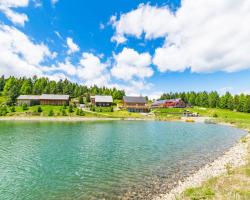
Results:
<point x="144" y="47"/>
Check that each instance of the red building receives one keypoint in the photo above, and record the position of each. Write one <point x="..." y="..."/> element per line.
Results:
<point x="169" y="103"/>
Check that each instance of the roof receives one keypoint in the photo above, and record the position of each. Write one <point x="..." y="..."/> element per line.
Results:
<point x="131" y="99"/>
<point x="100" y="98"/>
<point x="54" y="97"/>
<point x="28" y="97"/>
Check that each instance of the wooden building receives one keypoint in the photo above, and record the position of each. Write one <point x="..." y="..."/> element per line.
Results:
<point x="135" y="104"/>
<point x="30" y="100"/>
<point x="101" y="100"/>
<point x="54" y="99"/>
<point x="169" y="103"/>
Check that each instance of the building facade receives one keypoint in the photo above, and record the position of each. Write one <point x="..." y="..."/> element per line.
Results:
<point x="30" y="100"/>
<point x="135" y="104"/>
<point x="102" y="100"/>
<point x="44" y="99"/>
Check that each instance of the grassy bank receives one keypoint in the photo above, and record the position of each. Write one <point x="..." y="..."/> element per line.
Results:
<point x="64" y="111"/>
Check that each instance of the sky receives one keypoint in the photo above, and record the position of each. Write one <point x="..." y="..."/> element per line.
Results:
<point x="143" y="47"/>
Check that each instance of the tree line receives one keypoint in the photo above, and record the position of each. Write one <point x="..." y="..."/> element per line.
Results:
<point x="12" y="87"/>
<point x="240" y="103"/>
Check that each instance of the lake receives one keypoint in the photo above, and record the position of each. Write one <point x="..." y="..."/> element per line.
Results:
<point x="104" y="160"/>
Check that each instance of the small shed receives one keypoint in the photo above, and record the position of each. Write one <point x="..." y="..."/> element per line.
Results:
<point x="102" y="100"/>
<point x="30" y="100"/>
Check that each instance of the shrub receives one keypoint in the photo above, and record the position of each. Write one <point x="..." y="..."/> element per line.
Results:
<point x="71" y="108"/>
<point x="3" y="111"/>
<point x="25" y="107"/>
<point x="63" y="111"/>
<point x="51" y="113"/>
<point x="80" y="112"/>
<point x="215" y="115"/>
<point x="39" y="109"/>
<point x="13" y="109"/>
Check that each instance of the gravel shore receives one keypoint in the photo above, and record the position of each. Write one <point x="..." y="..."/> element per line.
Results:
<point x="236" y="156"/>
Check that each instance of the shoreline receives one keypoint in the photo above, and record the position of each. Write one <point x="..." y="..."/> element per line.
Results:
<point x="235" y="156"/>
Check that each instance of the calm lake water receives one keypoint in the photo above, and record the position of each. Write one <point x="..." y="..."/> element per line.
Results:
<point x="104" y="160"/>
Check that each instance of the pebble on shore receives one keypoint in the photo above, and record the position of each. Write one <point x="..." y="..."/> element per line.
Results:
<point x="236" y="156"/>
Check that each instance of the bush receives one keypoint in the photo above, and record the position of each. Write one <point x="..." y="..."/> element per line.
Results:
<point x="63" y="111"/>
<point x="25" y="107"/>
<point x="13" y="109"/>
<point x="215" y="115"/>
<point x="71" y="108"/>
<point x="3" y="111"/>
<point x="80" y="112"/>
<point x="39" y="109"/>
<point x="51" y="113"/>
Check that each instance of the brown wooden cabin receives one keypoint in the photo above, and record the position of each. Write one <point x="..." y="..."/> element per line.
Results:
<point x="135" y="104"/>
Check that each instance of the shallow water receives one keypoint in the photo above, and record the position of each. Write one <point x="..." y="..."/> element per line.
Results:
<point x="104" y="160"/>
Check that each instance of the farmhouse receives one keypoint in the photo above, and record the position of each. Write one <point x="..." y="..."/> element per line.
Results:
<point x="135" y="104"/>
<point x="44" y="99"/>
<point x="54" y="99"/>
<point x="169" y="103"/>
<point x="101" y="100"/>
<point x="30" y="100"/>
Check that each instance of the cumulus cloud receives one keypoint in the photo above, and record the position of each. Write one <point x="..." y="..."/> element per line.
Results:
<point x="92" y="70"/>
<point x="73" y="47"/>
<point x="20" y="56"/>
<point x="6" y="6"/>
<point x="130" y="64"/>
<point x="205" y="36"/>
<point x="54" y="2"/>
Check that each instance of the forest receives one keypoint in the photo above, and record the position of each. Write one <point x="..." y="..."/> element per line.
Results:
<point x="12" y="87"/>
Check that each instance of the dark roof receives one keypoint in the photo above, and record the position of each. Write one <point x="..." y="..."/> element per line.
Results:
<point x="130" y="99"/>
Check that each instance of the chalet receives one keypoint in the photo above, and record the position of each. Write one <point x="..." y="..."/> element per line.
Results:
<point x="101" y="100"/>
<point x="169" y="103"/>
<point x="135" y="104"/>
<point x="30" y="100"/>
<point x="54" y="99"/>
<point x="44" y="99"/>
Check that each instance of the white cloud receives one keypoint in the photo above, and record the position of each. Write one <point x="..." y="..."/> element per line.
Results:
<point x="92" y="70"/>
<point x="73" y="47"/>
<point x="20" y="56"/>
<point x="6" y="6"/>
<point x="102" y="26"/>
<point x="54" y="2"/>
<point x="130" y="64"/>
<point x="205" y="36"/>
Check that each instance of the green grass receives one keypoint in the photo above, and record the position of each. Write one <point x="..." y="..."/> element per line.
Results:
<point x="198" y="193"/>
